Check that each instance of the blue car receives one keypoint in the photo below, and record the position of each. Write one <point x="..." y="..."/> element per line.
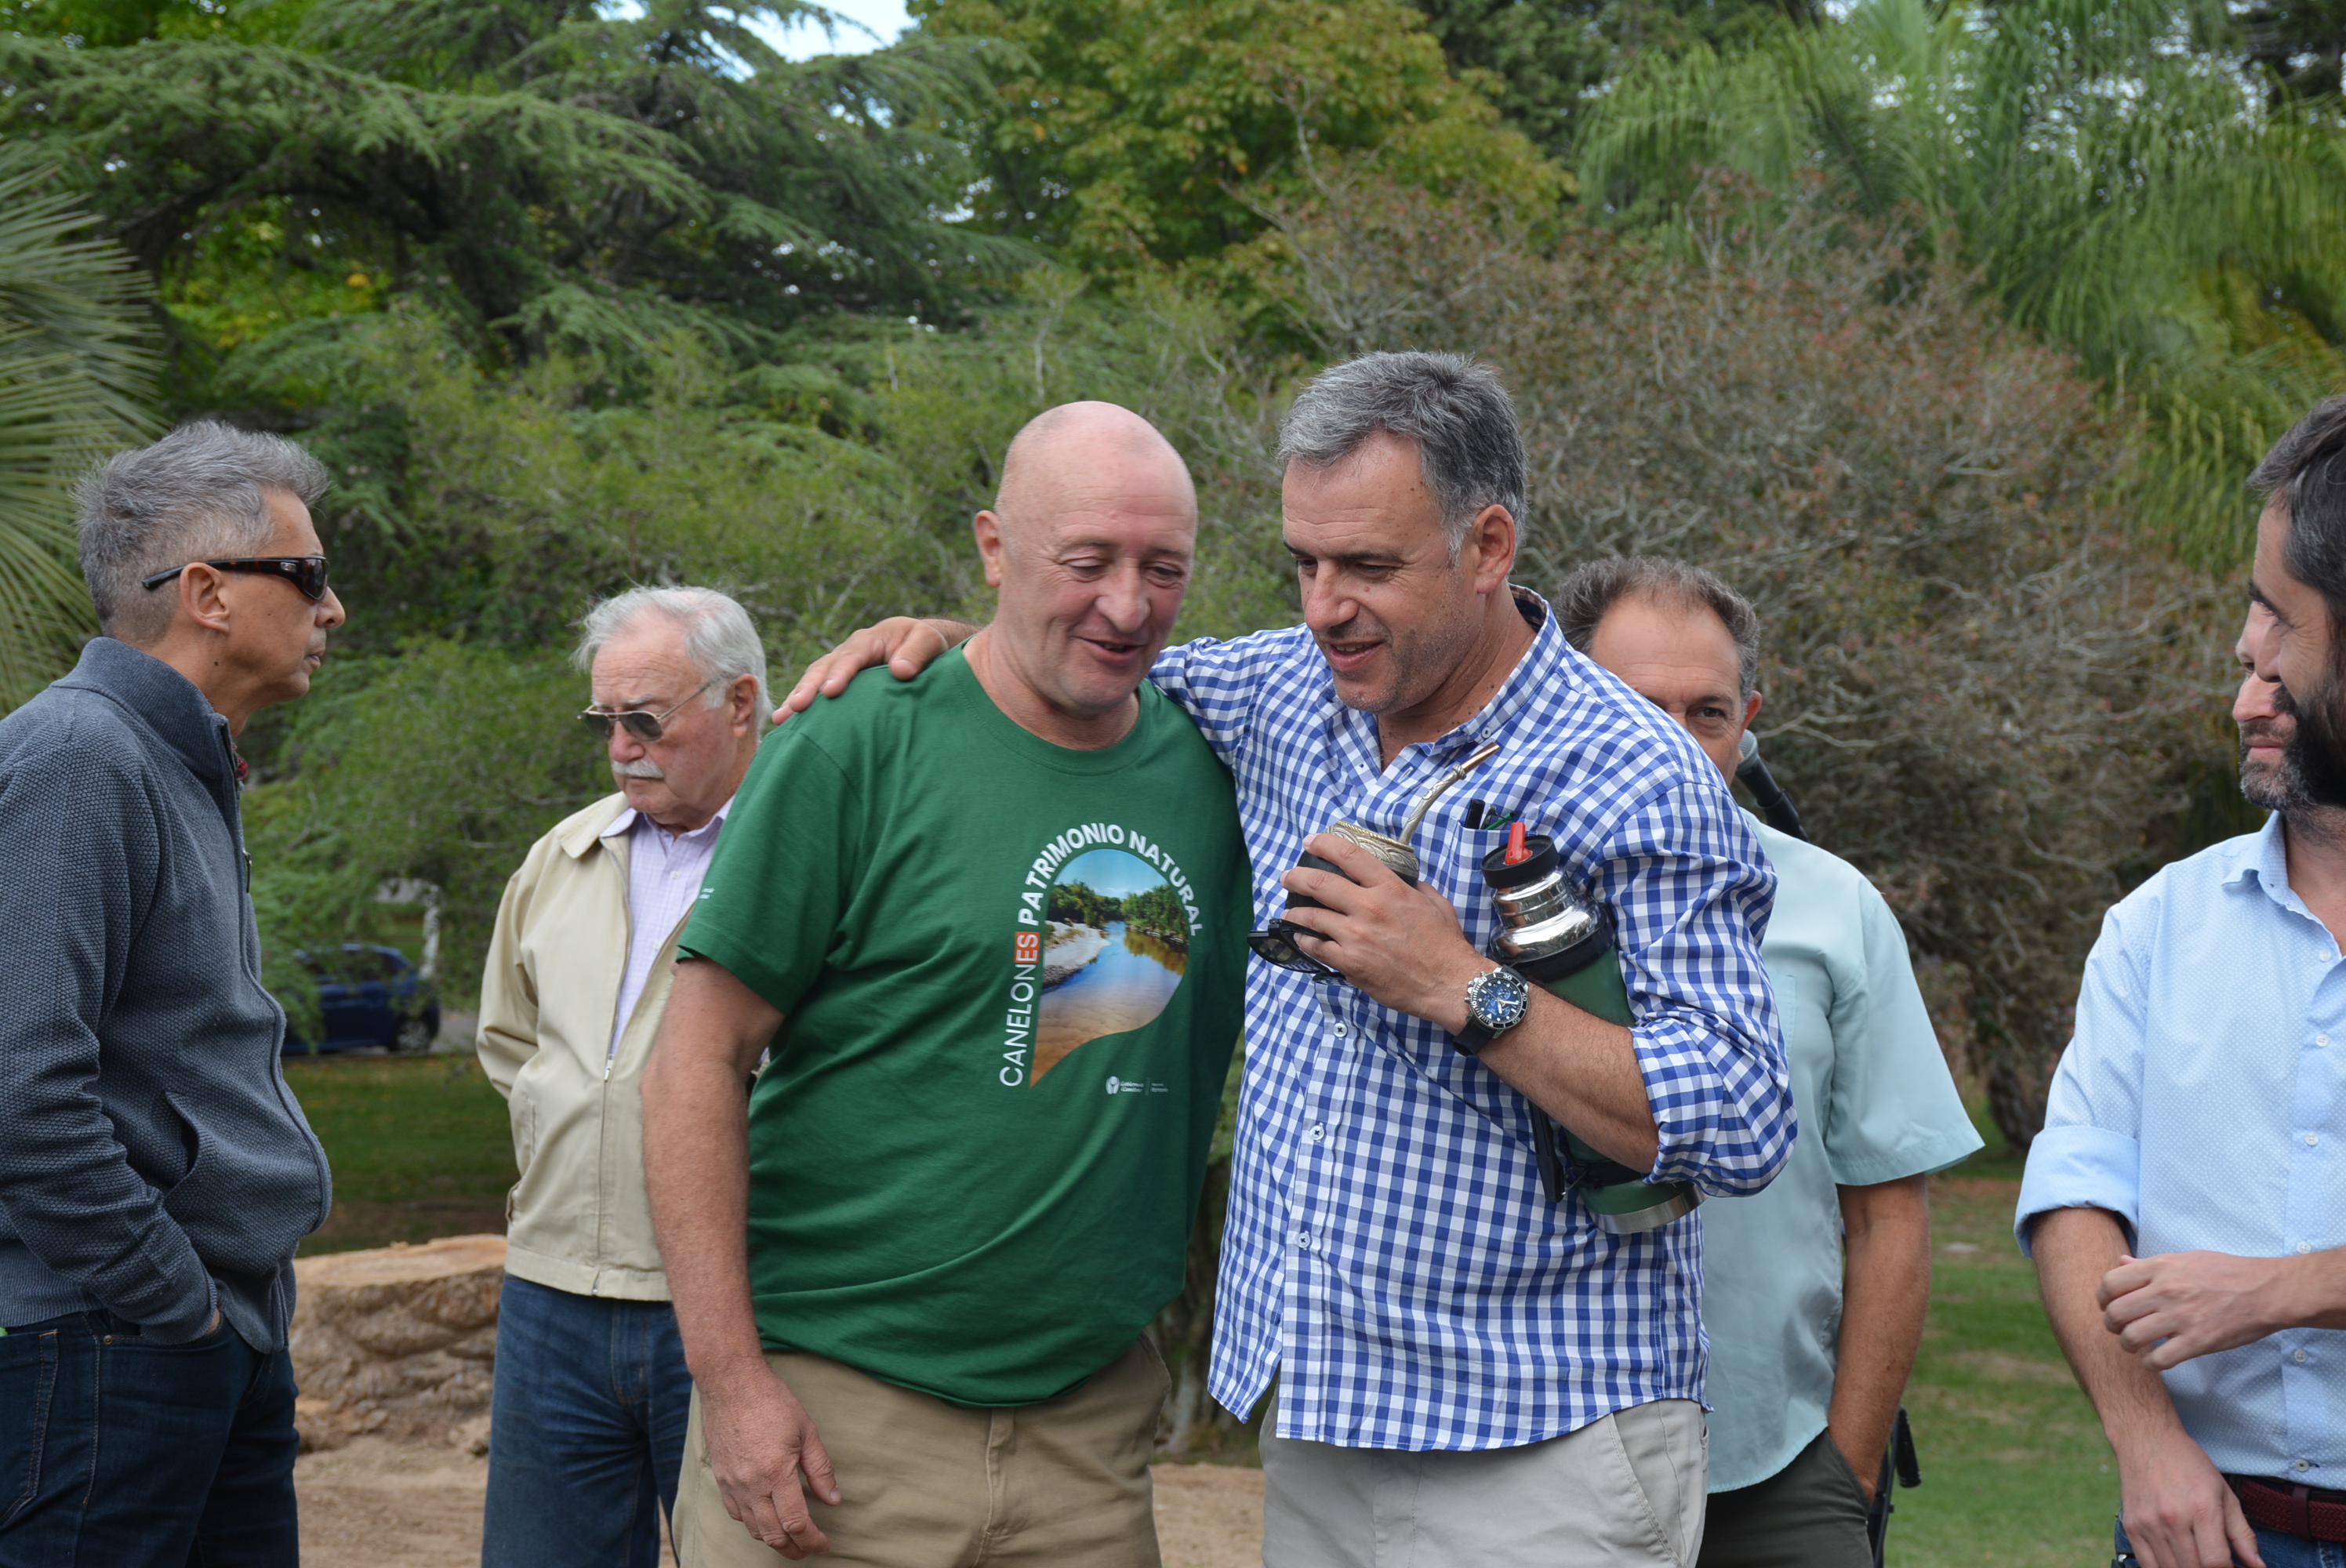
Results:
<point x="369" y="995"/>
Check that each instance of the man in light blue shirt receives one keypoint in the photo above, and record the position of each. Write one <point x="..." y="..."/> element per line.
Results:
<point x="1813" y="1290"/>
<point x="2184" y="1202"/>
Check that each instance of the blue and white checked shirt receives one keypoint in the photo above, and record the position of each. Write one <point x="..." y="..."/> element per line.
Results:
<point x="2200" y="1101"/>
<point x="1389" y="1252"/>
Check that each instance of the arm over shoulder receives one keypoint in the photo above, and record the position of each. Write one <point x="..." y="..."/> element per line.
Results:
<point x="1220" y="685"/>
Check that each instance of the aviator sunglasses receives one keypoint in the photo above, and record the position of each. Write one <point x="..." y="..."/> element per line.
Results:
<point x="645" y="726"/>
<point x="307" y="572"/>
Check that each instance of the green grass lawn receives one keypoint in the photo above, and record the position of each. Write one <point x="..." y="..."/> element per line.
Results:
<point x="419" y="1147"/>
<point x="2014" y="1471"/>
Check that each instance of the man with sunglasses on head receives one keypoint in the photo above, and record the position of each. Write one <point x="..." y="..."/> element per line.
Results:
<point x="587" y="1429"/>
<point x="156" y="1171"/>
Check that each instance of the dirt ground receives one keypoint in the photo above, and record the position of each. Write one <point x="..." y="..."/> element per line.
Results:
<point x="380" y="1504"/>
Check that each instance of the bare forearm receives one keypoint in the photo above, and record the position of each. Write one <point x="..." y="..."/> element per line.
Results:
<point x="1885" y="1294"/>
<point x="2075" y="1247"/>
<point x="697" y="1165"/>
<point x="1581" y="1070"/>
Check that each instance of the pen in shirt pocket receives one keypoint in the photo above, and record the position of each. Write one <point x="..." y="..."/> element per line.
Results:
<point x="1480" y="819"/>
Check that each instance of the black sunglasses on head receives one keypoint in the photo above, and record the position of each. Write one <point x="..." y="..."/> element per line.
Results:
<point x="307" y="572"/>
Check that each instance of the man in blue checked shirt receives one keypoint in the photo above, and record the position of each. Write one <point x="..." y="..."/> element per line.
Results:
<point x="2184" y="1203"/>
<point x="1466" y="1372"/>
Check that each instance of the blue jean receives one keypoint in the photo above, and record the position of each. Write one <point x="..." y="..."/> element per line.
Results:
<point x="2277" y="1550"/>
<point x="586" y="1431"/>
<point x="132" y="1454"/>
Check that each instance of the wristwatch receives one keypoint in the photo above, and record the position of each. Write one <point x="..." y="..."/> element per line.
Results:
<point x="1496" y="1001"/>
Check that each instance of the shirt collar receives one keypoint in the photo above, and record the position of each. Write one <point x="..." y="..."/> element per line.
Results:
<point x="166" y="701"/>
<point x="624" y="822"/>
<point x="2265" y="858"/>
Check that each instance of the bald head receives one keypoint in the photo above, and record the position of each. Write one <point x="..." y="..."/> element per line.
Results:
<point x="1090" y="545"/>
<point x="1081" y="455"/>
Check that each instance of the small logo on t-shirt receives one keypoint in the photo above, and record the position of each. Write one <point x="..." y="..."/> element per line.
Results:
<point x="1117" y="1085"/>
<point x="1113" y="1085"/>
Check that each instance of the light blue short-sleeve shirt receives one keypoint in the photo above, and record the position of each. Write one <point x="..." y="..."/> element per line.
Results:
<point x="1875" y="1102"/>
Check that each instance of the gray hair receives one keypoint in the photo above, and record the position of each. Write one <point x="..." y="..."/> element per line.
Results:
<point x="1469" y="446"/>
<point x="2304" y="474"/>
<point x="718" y="636"/>
<point x="1584" y="598"/>
<point x="197" y="493"/>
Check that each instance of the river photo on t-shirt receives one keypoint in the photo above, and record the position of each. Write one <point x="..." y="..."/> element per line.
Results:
<point x="1118" y="943"/>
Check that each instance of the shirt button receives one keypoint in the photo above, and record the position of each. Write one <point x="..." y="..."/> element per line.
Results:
<point x="2321" y="1040"/>
<point x="1341" y="1032"/>
<point x="2311" y="1139"/>
<point x="2305" y="1246"/>
<point x="2302" y="1465"/>
<point x="2300" y="1357"/>
<point x="1303" y="1239"/>
<point x="1318" y="1132"/>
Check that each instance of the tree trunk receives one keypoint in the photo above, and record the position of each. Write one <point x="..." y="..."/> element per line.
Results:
<point x="2017" y="1100"/>
<point x="400" y="1339"/>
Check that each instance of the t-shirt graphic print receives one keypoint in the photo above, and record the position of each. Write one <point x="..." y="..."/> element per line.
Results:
<point x="1112" y="944"/>
<point x="1011" y="977"/>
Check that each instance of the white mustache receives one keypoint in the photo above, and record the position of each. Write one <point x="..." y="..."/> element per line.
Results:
<point x="637" y="767"/>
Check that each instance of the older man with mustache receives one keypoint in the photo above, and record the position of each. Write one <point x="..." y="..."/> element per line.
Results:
<point x="2183" y="1200"/>
<point x="587" y="1429"/>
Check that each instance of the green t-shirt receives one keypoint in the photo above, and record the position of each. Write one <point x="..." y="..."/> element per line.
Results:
<point x="1012" y="975"/>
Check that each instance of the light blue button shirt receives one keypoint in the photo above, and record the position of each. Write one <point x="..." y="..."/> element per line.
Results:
<point x="2199" y="1103"/>
<point x="1875" y="1103"/>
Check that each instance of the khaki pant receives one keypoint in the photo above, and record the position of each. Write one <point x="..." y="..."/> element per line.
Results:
<point x="1627" y="1489"/>
<point x="925" y="1484"/>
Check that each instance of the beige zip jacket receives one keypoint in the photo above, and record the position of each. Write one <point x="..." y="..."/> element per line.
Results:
<point x="577" y="1220"/>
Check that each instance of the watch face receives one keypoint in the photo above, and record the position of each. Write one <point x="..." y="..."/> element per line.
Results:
<point x="1498" y="999"/>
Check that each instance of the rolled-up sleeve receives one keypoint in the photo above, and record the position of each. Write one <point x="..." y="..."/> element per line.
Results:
<point x="1692" y="891"/>
<point x="2089" y="1155"/>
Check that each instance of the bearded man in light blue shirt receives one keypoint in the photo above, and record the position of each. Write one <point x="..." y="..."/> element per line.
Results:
<point x="2184" y="1203"/>
<point x="1814" y="1289"/>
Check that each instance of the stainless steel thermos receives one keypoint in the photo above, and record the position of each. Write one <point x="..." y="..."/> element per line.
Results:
<point x="1559" y="942"/>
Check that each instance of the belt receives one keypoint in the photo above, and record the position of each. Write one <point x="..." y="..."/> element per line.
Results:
<point x="2307" y="1511"/>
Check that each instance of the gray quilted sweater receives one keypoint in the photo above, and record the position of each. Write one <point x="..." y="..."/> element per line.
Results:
<point x="152" y="1159"/>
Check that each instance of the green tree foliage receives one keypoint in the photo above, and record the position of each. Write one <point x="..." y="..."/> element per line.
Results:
<point x="1158" y="910"/>
<point x="1140" y="131"/>
<point x="74" y="366"/>
<point x="548" y="178"/>
<point x="2100" y="165"/>
<point x="1551" y="56"/>
<point x="444" y="765"/>
<point x="1078" y="903"/>
<point x="1976" y="689"/>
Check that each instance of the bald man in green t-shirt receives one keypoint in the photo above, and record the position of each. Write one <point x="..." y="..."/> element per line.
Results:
<point x="990" y="923"/>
